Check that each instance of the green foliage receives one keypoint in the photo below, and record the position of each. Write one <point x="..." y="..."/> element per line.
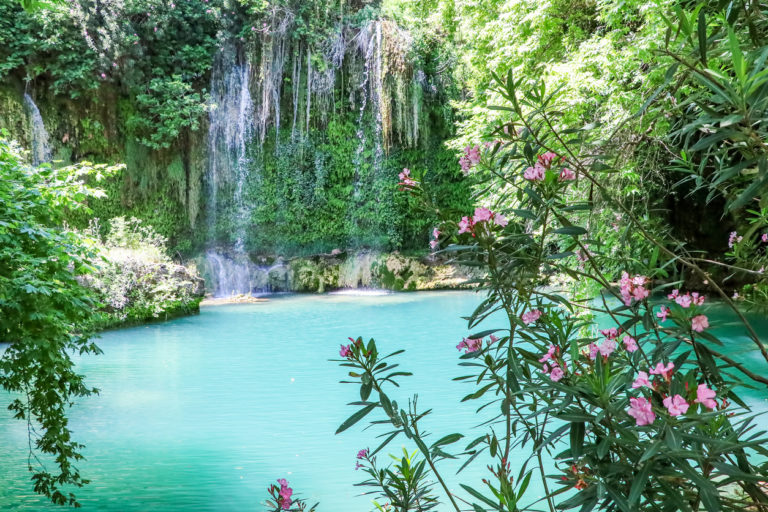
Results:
<point x="324" y="192"/>
<point x="44" y="310"/>
<point x="722" y="111"/>
<point x="167" y="109"/>
<point x="136" y="281"/>
<point x="45" y="44"/>
<point x="620" y="401"/>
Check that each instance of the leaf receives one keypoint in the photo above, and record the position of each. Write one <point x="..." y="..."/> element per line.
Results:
<point x="571" y="230"/>
<point x="479" y="496"/>
<point x="638" y="483"/>
<point x="449" y="439"/>
<point x="577" y="439"/>
<point x="702" y="29"/>
<point x="362" y="413"/>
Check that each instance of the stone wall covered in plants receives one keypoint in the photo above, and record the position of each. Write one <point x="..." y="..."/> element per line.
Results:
<point x="247" y="127"/>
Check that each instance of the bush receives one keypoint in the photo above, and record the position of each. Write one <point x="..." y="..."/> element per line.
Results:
<point x="45" y="311"/>
<point x="137" y="281"/>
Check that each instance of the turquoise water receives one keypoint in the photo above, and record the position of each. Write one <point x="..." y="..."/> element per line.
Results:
<point x="204" y="413"/>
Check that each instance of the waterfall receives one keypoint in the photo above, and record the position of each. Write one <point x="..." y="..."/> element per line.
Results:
<point x="230" y="129"/>
<point x="40" y="146"/>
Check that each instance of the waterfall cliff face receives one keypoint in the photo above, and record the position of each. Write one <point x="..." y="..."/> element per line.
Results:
<point x="40" y="146"/>
<point x="279" y="84"/>
<point x="231" y="126"/>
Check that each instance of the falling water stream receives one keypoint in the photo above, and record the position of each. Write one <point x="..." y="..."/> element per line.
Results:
<point x="40" y="145"/>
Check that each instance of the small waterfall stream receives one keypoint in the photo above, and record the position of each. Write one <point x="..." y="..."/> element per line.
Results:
<point x="40" y="146"/>
<point x="231" y="128"/>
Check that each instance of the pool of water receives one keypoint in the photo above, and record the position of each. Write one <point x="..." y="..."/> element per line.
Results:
<point x="204" y="413"/>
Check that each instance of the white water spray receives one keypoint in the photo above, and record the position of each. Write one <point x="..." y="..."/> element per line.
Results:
<point x="40" y="145"/>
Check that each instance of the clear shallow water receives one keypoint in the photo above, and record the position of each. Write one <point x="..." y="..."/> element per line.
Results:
<point x="203" y="413"/>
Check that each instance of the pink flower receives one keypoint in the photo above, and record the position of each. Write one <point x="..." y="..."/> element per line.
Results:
<point x="593" y="350"/>
<point x="640" y="409"/>
<point x="567" y="175"/>
<point x="547" y="158"/>
<point x="607" y="348"/>
<point x="699" y="323"/>
<point x="611" y="333"/>
<point x="684" y="300"/>
<point x="103" y="75"/>
<point x="433" y="244"/>
<point x="500" y="220"/>
<point x="285" y="494"/>
<point x="470" y="345"/>
<point x="482" y="214"/>
<point x="629" y="343"/>
<point x="465" y="225"/>
<point x="664" y="371"/>
<point x="705" y="396"/>
<point x="556" y="374"/>
<point x="764" y="238"/>
<point x="640" y="293"/>
<point x="405" y="179"/>
<point x="633" y="288"/>
<point x="530" y="316"/>
<point x="676" y="405"/>
<point x="346" y="351"/>
<point x="641" y="381"/>
<point x="492" y="339"/>
<point x="470" y="159"/>
<point x="697" y="299"/>
<point x="549" y="354"/>
<point x="435" y="233"/>
<point x="473" y="154"/>
<point x="362" y="454"/>
<point x="674" y="294"/>
<point x="535" y="173"/>
<point x="733" y="239"/>
<point x="662" y="314"/>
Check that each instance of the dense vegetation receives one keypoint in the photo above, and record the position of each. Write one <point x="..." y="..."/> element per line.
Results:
<point x="341" y="98"/>
<point x="615" y="149"/>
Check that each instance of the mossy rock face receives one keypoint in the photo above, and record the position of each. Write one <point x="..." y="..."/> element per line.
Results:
<point x="402" y="273"/>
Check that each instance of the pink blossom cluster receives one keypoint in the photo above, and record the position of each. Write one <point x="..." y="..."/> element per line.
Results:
<point x="633" y="288"/>
<point x="285" y="494"/>
<point x="538" y="171"/>
<point x="470" y="159"/>
<point x="609" y="345"/>
<point x="406" y="181"/>
<point x="482" y="214"/>
<point x="698" y="322"/>
<point x="346" y="350"/>
<point x="469" y="345"/>
<point x="640" y="408"/>
<point x="552" y="364"/>
<point x="764" y="238"/>
<point x="733" y="239"/>
<point x="362" y="454"/>
<point x="435" y="239"/>
<point x="686" y="300"/>
<point x="531" y="316"/>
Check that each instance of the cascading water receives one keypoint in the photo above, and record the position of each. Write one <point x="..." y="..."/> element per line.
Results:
<point x="40" y="145"/>
<point x="231" y="127"/>
<point x="384" y="92"/>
